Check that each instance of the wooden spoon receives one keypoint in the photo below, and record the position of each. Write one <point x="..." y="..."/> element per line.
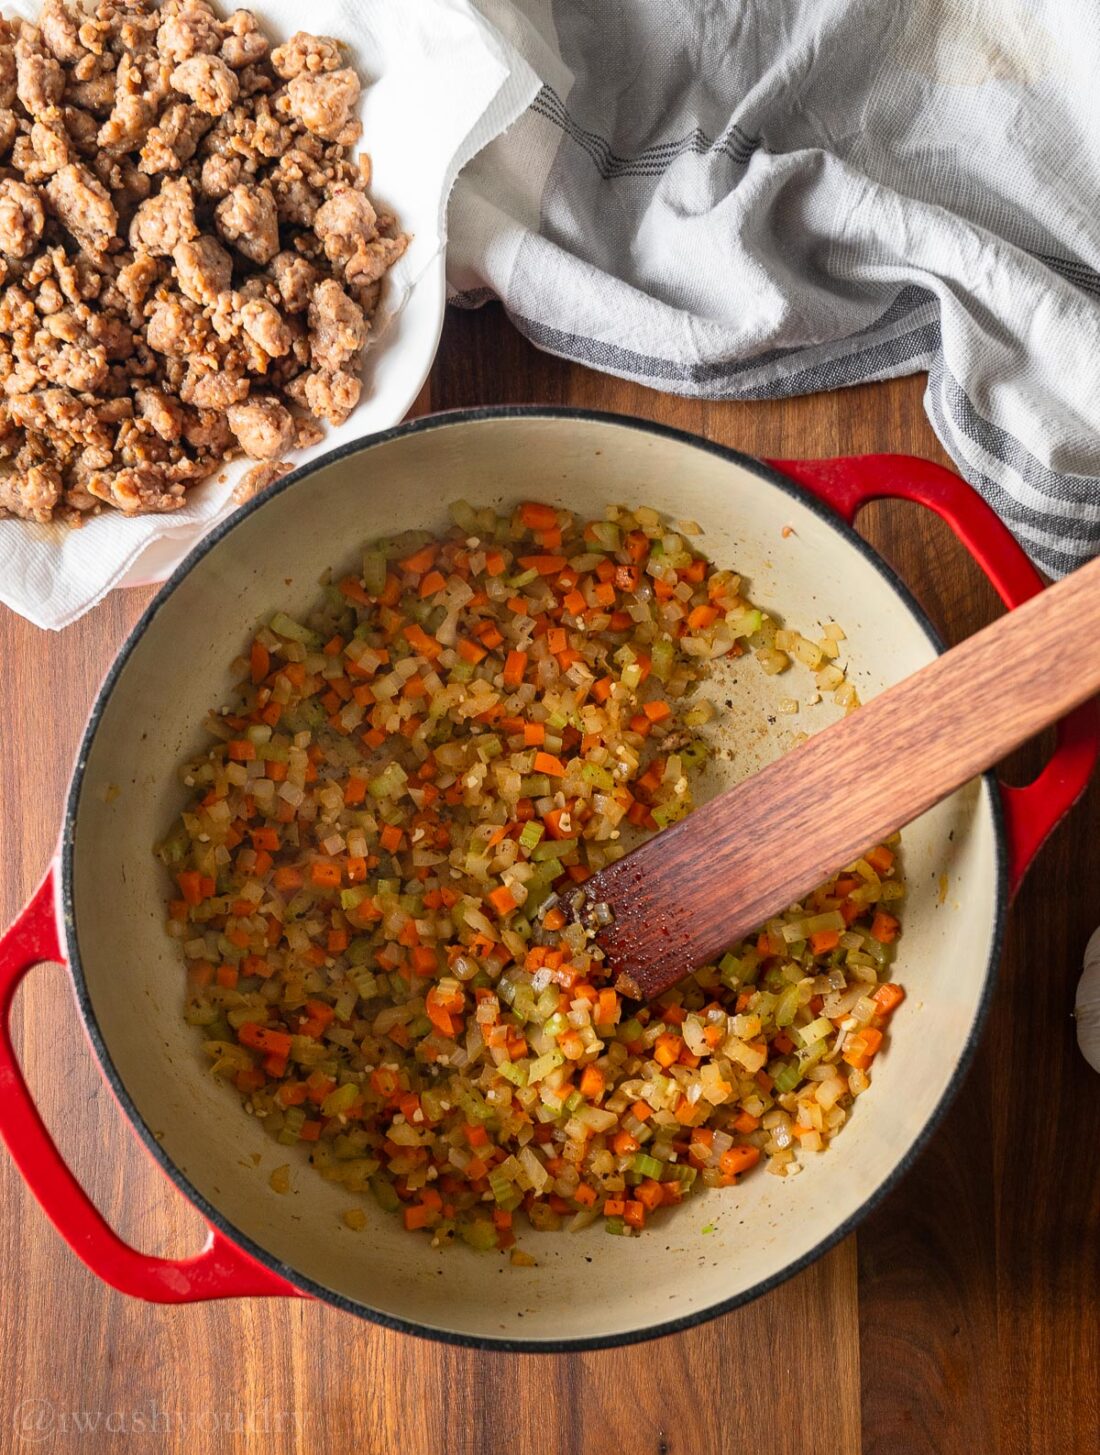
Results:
<point x="690" y="892"/>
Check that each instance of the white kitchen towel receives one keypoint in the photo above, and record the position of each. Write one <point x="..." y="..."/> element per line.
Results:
<point x="755" y="198"/>
<point x="438" y="84"/>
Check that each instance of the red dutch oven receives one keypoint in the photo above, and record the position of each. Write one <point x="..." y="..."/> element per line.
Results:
<point x="787" y="527"/>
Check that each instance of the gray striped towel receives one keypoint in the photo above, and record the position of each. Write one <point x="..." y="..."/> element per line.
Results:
<point x="748" y="199"/>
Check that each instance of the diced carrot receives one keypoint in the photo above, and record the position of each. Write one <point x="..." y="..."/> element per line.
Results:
<point x="470" y="651"/>
<point x="548" y="764"/>
<point x="667" y="1048"/>
<point x="657" y="711"/>
<point x="884" y="927"/>
<point x="495" y="564"/>
<point x="738" y="1159"/>
<point x="538" y="517"/>
<point x="584" y="1194"/>
<point x="354" y="590"/>
<point x="700" y="617"/>
<point x="553" y="919"/>
<point x="416" y="1216"/>
<point x="260" y="1038"/>
<point x="325" y="873"/>
<point x="432" y="583"/>
<point x="614" y="1207"/>
<point x="241" y="750"/>
<point x="888" y="997"/>
<point x="821" y="941"/>
<point x="424" y="960"/>
<point x="227" y="976"/>
<point x="515" y="664"/>
<point x="391" y="838"/>
<point x="881" y="859"/>
<point x="861" y="1047"/>
<point x="642" y="1110"/>
<point x="607" y="1007"/>
<point x="420" y="641"/>
<point x="623" y="1144"/>
<point x="544" y="565"/>
<point x="592" y="1082"/>
<point x="259" y="662"/>
<point x="745" y="1122"/>
<point x="420" y="561"/>
<point x="190" y="883"/>
<point x="502" y="900"/>
<point x="556" y="639"/>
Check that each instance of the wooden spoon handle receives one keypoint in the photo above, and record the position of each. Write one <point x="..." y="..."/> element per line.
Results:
<point x="751" y="852"/>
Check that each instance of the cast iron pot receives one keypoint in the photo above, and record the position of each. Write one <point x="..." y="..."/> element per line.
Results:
<point x="787" y="527"/>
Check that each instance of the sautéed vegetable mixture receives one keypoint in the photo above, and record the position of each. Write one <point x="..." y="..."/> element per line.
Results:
<point x="374" y="875"/>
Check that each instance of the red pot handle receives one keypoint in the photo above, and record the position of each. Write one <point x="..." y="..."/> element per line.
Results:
<point x="847" y="484"/>
<point x="220" y="1270"/>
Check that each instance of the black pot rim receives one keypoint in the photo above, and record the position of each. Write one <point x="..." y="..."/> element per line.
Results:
<point x="423" y="425"/>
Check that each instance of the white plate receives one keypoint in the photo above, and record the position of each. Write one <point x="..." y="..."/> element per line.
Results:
<point x="395" y="373"/>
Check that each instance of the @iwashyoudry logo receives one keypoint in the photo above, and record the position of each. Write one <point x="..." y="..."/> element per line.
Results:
<point x="38" y="1419"/>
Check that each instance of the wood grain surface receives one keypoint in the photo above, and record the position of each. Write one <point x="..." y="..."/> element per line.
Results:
<point x="680" y="898"/>
<point x="961" y="1319"/>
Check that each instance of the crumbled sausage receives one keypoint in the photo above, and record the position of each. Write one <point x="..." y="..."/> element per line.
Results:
<point x="247" y="218"/>
<point x="136" y="490"/>
<point x="264" y="427"/>
<point x="187" y="30"/>
<point x="245" y="43"/>
<point x="21" y="218"/>
<point x="323" y="103"/>
<point x="60" y="29"/>
<point x="84" y="206"/>
<point x="164" y="413"/>
<point x="31" y="495"/>
<point x="40" y="81"/>
<point x="203" y="268"/>
<point x="132" y="338"/>
<point x="209" y="82"/>
<point x="337" y="328"/>
<point x="166" y="220"/>
<point x="253" y="481"/>
<point x="294" y="277"/>
<point x="331" y="394"/>
<point x="266" y="326"/>
<point x="306" y="53"/>
<point x="175" y="138"/>
<point x="220" y="175"/>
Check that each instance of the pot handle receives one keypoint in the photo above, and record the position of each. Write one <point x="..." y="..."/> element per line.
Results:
<point x="847" y="484"/>
<point x="219" y="1270"/>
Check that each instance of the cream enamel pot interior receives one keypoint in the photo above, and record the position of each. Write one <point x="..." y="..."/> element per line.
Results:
<point x="802" y="562"/>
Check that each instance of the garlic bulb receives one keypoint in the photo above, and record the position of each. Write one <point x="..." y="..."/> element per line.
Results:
<point x="1087" y="1009"/>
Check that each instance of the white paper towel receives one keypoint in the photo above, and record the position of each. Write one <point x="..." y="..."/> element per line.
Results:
<point x="439" y="83"/>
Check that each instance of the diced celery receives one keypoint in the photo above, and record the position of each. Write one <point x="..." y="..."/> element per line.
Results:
<point x="479" y="1234"/>
<point x="283" y="626"/>
<point x="553" y="849"/>
<point x="647" y="1166"/>
<point x="339" y="1100"/>
<point x="786" y="1076"/>
<point x="532" y="833"/>
<point x="614" y="1225"/>
<point x="593" y="773"/>
<point x="384" y="1194"/>
<point x="514" y="1071"/>
<point x="374" y="571"/>
<point x="544" y="1064"/>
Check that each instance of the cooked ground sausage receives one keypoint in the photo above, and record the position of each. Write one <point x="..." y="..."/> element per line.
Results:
<point x="180" y="226"/>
